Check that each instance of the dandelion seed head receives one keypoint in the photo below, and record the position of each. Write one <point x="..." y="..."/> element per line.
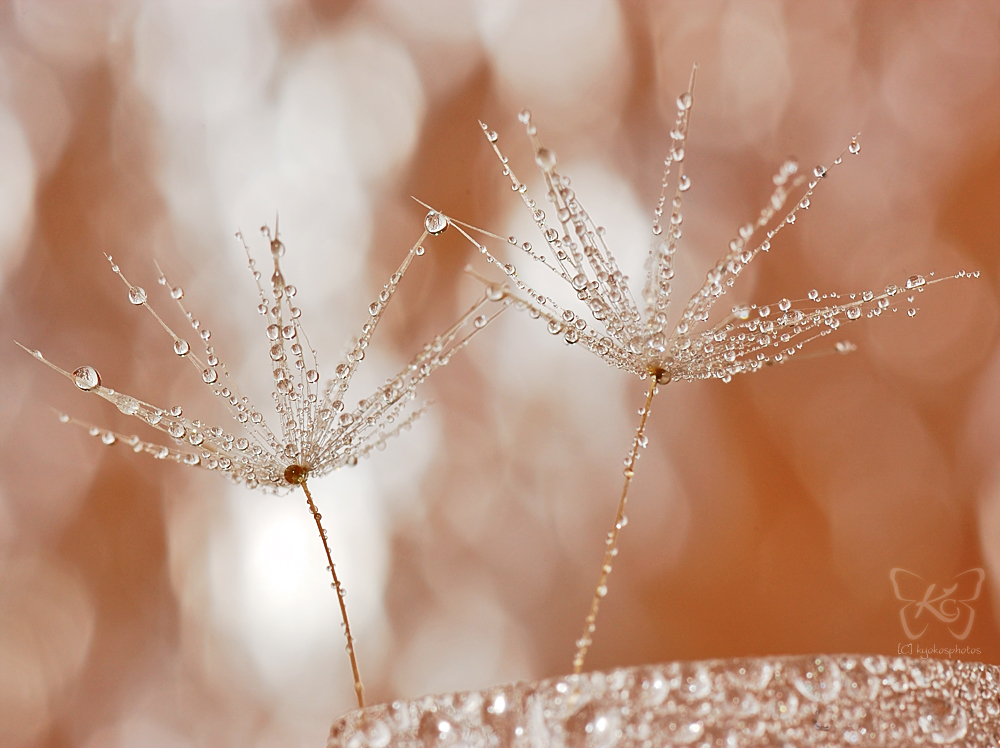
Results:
<point x="315" y="433"/>
<point x="638" y="338"/>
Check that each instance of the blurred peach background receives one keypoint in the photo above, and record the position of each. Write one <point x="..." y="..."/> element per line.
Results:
<point x="148" y="604"/>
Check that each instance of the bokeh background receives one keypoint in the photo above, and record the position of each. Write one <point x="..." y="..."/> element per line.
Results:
<point x="148" y="604"/>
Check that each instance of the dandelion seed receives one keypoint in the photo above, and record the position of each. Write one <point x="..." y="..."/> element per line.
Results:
<point x="746" y="340"/>
<point x="316" y="434"/>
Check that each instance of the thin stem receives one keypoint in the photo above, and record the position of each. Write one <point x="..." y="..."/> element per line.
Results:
<point x="358" y="688"/>
<point x="584" y="642"/>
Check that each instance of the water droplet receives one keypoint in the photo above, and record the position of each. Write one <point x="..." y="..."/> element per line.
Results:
<point x="494" y="292"/>
<point x="915" y="281"/>
<point x="288" y="332"/>
<point x="312" y="376"/>
<point x="818" y="679"/>
<point x="127" y="405"/>
<point x="137" y="295"/>
<point x="819" y="172"/>
<point x="684" y="101"/>
<point x="545" y="159"/>
<point x="943" y="722"/>
<point x="911" y="312"/>
<point x="551" y="234"/>
<point x="853" y="312"/>
<point x="435" y="223"/>
<point x="210" y="376"/>
<point x="181" y="347"/>
<point x="86" y="378"/>
<point x="480" y="322"/>
<point x="684" y="183"/>
<point x="108" y="438"/>
<point x="524" y="116"/>
<point x="854" y="147"/>
<point x="784" y="305"/>
<point x="373" y="309"/>
<point x="553" y="327"/>
<point x="176" y="430"/>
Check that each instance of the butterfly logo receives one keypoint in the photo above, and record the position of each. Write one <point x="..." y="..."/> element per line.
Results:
<point x="950" y="605"/>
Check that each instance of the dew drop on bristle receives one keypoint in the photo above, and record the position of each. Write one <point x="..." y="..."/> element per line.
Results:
<point x="137" y="295"/>
<point x="854" y="147"/>
<point x="819" y="172"/>
<point x="87" y="378"/>
<point x="210" y="376"/>
<point x="684" y="184"/>
<point x="181" y="347"/>
<point x="684" y="101"/>
<point x="176" y="293"/>
<point x="545" y="159"/>
<point x="435" y="223"/>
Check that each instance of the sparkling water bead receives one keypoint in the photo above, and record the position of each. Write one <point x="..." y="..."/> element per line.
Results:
<point x="87" y="378"/>
<point x="137" y="295"/>
<point x="545" y="159"/>
<point x="435" y="223"/>
<point x="181" y="347"/>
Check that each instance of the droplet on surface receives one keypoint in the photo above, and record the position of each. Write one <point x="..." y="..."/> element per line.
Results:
<point x="819" y="172"/>
<point x="181" y="347"/>
<point x="818" y="678"/>
<point x="210" y="376"/>
<point x="435" y="223"/>
<point x="684" y="183"/>
<point x="684" y="101"/>
<point x="127" y="405"/>
<point x="87" y="378"/>
<point x="545" y="159"/>
<point x="854" y="147"/>
<point x="137" y="295"/>
<point x="915" y="281"/>
<point x="944" y="723"/>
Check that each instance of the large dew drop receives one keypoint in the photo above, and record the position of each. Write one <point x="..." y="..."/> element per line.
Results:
<point x="137" y="295"/>
<point x="87" y="378"/>
<point x="435" y="223"/>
